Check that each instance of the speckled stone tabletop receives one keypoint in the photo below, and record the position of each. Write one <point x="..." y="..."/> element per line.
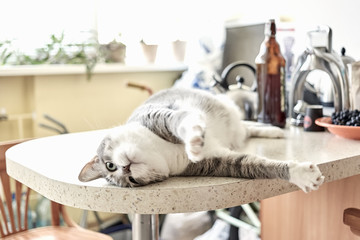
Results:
<point x="51" y="166"/>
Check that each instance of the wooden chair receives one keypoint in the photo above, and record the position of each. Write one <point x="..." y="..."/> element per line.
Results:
<point x="352" y="219"/>
<point x="14" y="215"/>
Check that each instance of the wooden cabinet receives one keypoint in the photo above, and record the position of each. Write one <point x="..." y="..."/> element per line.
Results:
<point x="65" y="93"/>
<point x="314" y="216"/>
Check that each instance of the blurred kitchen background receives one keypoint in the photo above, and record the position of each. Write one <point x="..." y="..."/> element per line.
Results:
<point x="73" y="60"/>
<point x="70" y="66"/>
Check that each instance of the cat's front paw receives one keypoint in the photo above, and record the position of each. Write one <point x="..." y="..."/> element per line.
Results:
<point x="194" y="145"/>
<point x="306" y="176"/>
<point x="193" y="135"/>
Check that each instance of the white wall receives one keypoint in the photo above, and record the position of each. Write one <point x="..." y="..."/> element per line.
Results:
<point x="342" y="16"/>
<point x="160" y="20"/>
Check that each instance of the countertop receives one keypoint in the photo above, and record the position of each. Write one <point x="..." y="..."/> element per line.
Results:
<point x="51" y="166"/>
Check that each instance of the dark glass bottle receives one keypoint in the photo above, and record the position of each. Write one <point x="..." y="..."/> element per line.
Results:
<point x="270" y="73"/>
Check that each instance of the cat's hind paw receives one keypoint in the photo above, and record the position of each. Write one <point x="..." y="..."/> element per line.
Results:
<point x="266" y="132"/>
<point x="275" y="132"/>
<point x="306" y="176"/>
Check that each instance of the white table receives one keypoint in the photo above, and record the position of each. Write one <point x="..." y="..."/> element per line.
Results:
<point x="51" y="166"/>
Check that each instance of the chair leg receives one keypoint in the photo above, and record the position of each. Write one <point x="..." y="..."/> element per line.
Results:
<point x="55" y="213"/>
<point x="83" y="221"/>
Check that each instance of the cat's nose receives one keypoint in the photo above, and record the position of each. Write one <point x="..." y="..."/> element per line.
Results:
<point x="126" y="169"/>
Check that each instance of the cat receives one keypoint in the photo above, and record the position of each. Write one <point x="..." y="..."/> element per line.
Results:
<point x="189" y="132"/>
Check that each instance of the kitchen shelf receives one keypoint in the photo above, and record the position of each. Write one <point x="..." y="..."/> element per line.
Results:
<point x="66" y="69"/>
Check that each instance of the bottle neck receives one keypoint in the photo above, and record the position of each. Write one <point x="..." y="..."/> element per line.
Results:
<point x="268" y="37"/>
<point x="270" y="29"/>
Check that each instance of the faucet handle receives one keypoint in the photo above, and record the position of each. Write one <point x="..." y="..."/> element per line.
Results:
<point x="300" y="107"/>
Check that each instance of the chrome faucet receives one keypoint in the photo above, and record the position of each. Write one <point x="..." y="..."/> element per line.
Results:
<point x="318" y="56"/>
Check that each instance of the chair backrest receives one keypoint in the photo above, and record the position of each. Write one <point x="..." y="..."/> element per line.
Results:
<point x="14" y="201"/>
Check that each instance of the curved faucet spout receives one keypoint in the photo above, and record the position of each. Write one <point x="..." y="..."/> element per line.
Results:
<point x="328" y="62"/>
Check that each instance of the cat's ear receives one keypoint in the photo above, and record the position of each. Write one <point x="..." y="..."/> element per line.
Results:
<point x="92" y="170"/>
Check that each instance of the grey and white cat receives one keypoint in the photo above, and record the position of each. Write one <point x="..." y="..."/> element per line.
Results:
<point x="183" y="132"/>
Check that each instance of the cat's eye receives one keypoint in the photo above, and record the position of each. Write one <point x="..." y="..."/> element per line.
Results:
<point x="110" y="166"/>
<point x="131" y="179"/>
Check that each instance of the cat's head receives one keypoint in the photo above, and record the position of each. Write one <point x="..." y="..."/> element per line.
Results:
<point x="128" y="157"/>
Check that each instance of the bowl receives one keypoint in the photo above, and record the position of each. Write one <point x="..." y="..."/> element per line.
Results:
<point x="350" y="132"/>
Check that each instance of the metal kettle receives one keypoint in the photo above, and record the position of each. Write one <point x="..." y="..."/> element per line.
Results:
<point x="318" y="56"/>
<point x="243" y="95"/>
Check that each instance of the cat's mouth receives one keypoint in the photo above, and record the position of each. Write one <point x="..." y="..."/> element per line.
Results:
<point x="132" y="180"/>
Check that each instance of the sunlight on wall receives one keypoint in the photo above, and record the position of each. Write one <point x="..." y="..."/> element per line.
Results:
<point x="30" y="23"/>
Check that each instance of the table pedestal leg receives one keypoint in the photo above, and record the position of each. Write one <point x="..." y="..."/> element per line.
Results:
<point x="145" y="227"/>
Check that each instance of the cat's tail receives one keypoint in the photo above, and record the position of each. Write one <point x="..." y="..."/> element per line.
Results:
<point x="305" y="175"/>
